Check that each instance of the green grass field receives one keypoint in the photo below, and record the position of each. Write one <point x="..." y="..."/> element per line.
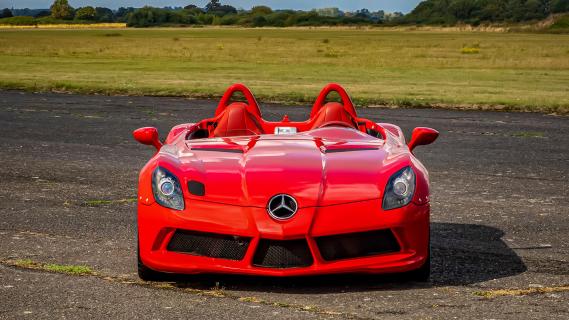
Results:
<point x="509" y="71"/>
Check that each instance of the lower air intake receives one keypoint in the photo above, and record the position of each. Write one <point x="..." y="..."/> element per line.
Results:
<point x="282" y="254"/>
<point x="357" y="245"/>
<point x="209" y="245"/>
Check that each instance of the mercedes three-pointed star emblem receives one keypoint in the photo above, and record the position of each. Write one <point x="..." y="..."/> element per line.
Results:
<point x="282" y="207"/>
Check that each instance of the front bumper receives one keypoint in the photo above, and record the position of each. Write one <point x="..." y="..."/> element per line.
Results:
<point x="157" y="225"/>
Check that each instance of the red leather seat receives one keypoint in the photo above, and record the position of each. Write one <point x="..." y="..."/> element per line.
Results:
<point x="333" y="113"/>
<point x="236" y="120"/>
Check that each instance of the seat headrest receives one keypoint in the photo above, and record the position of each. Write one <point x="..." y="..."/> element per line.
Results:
<point x="333" y="87"/>
<point x="333" y="112"/>
<point x="236" y="120"/>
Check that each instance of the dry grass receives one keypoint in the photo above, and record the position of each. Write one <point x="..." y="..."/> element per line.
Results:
<point x="51" y="267"/>
<point x="99" y="203"/>
<point x="216" y="292"/>
<point x="520" y="292"/>
<point x="511" y="71"/>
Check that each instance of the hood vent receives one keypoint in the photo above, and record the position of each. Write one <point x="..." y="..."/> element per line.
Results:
<point x="348" y="149"/>
<point x="342" y="147"/>
<point x="229" y="150"/>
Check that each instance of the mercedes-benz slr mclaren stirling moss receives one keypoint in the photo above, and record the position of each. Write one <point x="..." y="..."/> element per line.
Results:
<point x="238" y="194"/>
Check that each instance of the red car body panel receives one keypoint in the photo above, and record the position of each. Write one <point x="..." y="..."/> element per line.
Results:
<point x="336" y="168"/>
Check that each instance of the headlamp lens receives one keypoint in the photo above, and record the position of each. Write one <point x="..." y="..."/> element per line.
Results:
<point x="167" y="190"/>
<point x="399" y="189"/>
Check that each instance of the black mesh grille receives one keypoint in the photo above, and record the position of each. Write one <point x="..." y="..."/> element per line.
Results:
<point x="209" y="244"/>
<point x="282" y="254"/>
<point x="354" y="245"/>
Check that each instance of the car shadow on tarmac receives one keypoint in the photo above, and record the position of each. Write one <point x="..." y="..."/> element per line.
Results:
<point x="462" y="254"/>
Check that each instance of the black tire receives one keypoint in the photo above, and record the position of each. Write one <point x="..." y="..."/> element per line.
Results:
<point x="423" y="273"/>
<point x="147" y="274"/>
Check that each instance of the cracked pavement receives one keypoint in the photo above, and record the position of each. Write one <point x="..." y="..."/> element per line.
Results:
<point x="69" y="171"/>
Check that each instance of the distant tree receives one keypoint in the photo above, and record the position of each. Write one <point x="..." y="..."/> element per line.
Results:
<point x="397" y="14"/>
<point x="85" y="13"/>
<point x="363" y="13"/>
<point x="558" y="6"/>
<point x="6" y="13"/>
<point x="205" y="19"/>
<point x="43" y="13"/>
<point x="278" y="19"/>
<point x="60" y="9"/>
<point x="193" y="9"/>
<point x="259" y="21"/>
<point x="229" y="19"/>
<point x="474" y="12"/>
<point x="261" y="10"/>
<point x="104" y="14"/>
<point x="226" y="9"/>
<point x="491" y="12"/>
<point x="533" y="9"/>
<point x="462" y="9"/>
<point x="122" y="14"/>
<point x="378" y="16"/>
<point x="216" y="21"/>
<point x="220" y="10"/>
<point x="212" y="5"/>
<point x="149" y="16"/>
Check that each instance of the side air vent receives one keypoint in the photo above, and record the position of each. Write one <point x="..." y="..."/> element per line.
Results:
<point x="196" y="188"/>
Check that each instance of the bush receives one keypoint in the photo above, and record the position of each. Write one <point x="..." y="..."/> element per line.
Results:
<point x="19" y="21"/>
<point x="205" y="18"/>
<point x="259" y="21"/>
<point x="228" y="20"/>
<point x="43" y="13"/>
<point x="562" y="24"/>
<point x="277" y="19"/>
<point x="261" y="10"/>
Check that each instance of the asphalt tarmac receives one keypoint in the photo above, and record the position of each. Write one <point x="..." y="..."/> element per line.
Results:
<point x="68" y="177"/>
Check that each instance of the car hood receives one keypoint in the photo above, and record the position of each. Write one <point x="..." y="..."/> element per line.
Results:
<point x="317" y="170"/>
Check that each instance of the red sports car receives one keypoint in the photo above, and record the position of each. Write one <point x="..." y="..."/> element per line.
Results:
<point x="238" y="194"/>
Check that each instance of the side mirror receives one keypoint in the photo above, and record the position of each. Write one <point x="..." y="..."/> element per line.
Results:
<point x="422" y="136"/>
<point x="148" y="136"/>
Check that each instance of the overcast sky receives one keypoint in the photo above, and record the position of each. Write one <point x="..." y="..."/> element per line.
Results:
<point x="387" y="5"/>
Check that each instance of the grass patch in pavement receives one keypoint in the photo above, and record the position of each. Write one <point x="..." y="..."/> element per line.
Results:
<point x="51" y="267"/>
<point x="442" y="69"/>
<point x="215" y="292"/>
<point x="529" y="134"/>
<point x="98" y="203"/>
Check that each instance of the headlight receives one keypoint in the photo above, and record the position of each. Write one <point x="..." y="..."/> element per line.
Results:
<point x="167" y="190"/>
<point x="400" y="189"/>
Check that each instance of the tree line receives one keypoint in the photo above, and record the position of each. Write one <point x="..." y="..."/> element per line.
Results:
<point x="62" y="11"/>
<point x="447" y="12"/>
<point x="475" y="12"/>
